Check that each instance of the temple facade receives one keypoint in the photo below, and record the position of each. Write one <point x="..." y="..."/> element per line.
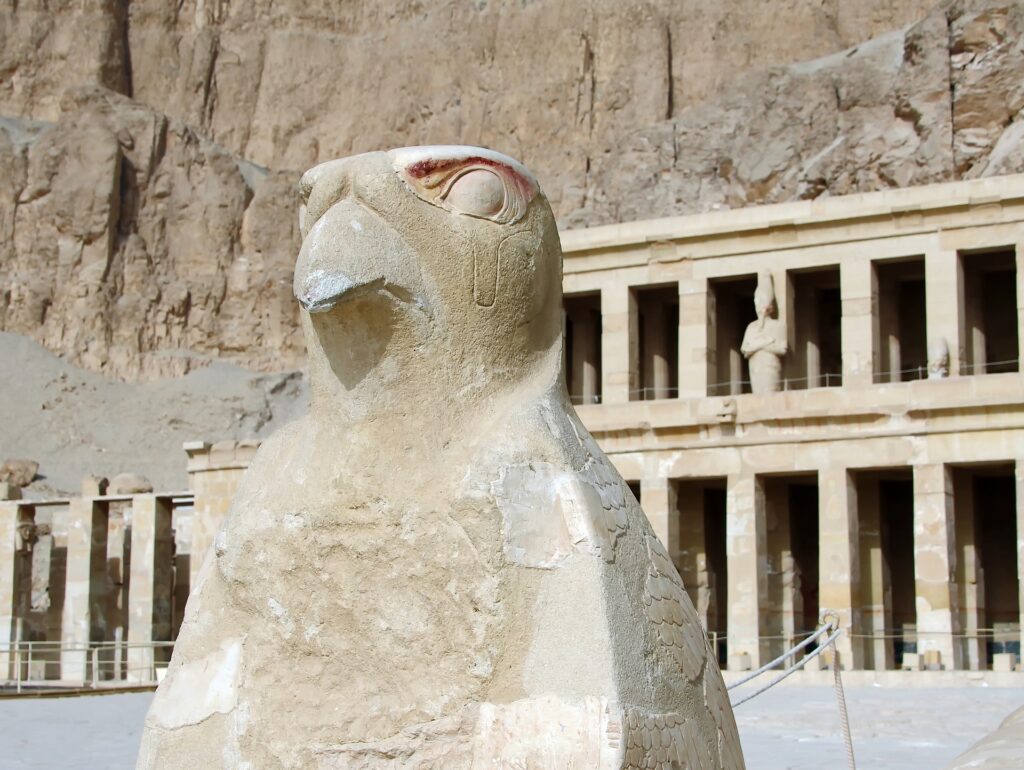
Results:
<point x="875" y="467"/>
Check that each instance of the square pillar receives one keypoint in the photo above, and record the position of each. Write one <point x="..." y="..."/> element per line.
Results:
<point x="693" y="560"/>
<point x="150" y="584"/>
<point x="935" y="563"/>
<point x="838" y="558"/>
<point x="10" y="568"/>
<point x="694" y="323"/>
<point x="779" y="617"/>
<point x="970" y="575"/>
<point x="1019" y="251"/>
<point x="656" y="379"/>
<point x="660" y="505"/>
<point x="584" y="357"/>
<point x="875" y="611"/>
<point x="857" y="291"/>
<point x="1019" y="478"/>
<point x="747" y="559"/>
<point x="85" y="583"/>
<point x="619" y="349"/>
<point x="944" y="302"/>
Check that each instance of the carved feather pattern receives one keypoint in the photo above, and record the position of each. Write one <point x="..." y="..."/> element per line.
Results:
<point x="672" y="612"/>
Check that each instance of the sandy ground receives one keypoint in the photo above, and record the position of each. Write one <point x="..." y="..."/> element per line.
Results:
<point x="788" y="728"/>
<point x="75" y="422"/>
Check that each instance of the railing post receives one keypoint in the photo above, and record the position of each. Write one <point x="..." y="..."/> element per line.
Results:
<point x="95" y="654"/>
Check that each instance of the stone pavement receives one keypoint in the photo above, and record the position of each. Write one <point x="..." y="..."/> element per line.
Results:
<point x="797" y="727"/>
<point x="788" y="728"/>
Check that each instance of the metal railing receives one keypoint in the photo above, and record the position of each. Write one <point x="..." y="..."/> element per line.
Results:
<point x="578" y="399"/>
<point x="56" y="665"/>
<point x="989" y="367"/>
<point x="824" y="380"/>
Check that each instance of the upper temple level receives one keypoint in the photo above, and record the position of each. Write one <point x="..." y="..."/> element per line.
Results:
<point x="865" y="286"/>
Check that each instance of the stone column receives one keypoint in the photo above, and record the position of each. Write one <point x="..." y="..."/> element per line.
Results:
<point x="584" y="357"/>
<point x="656" y="368"/>
<point x="692" y="562"/>
<point x="150" y="586"/>
<point x="1020" y="337"/>
<point x="778" y="617"/>
<point x="9" y="569"/>
<point x="887" y="333"/>
<point x="747" y="558"/>
<point x="973" y="324"/>
<point x="858" y="290"/>
<point x="85" y="584"/>
<point x="694" y="339"/>
<point x="1019" y="477"/>
<point x="969" y="573"/>
<point x="935" y="563"/>
<point x="875" y="615"/>
<point x="214" y="474"/>
<point x="660" y="505"/>
<point x="944" y="298"/>
<point x="838" y="557"/>
<point x="618" y="344"/>
<point x="812" y="346"/>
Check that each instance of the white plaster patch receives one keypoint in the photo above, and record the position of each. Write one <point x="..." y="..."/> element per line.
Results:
<point x="356" y="225"/>
<point x="535" y="534"/>
<point x="196" y="691"/>
<point x="322" y="288"/>
<point x="281" y="614"/>
<point x="220" y="542"/>
<point x="548" y="514"/>
<point x="547" y="731"/>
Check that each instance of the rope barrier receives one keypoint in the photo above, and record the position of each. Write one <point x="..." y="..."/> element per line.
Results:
<point x="754" y="674"/>
<point x="791" y="670"/>
<point x="830" y="626"/>
<point x="844" y="717"/>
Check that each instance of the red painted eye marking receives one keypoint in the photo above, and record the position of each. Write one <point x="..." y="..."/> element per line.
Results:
<point x="431" y="167"/>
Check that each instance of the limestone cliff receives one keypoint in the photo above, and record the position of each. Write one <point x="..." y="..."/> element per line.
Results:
<point x="136" y="240"/>
<point x="138" y="247"/>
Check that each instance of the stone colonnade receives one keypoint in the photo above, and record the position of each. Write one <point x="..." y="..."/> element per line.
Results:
<point x="943" y="621"/>
<point x="867" y="288"/>
<point x="86" y="649"/>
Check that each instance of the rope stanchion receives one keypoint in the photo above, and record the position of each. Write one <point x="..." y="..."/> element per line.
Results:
<point x="831" y="631"/>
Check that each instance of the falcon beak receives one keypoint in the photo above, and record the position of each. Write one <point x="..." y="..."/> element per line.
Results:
<point x="323" y="290"/>
<point x="351" y="251"/>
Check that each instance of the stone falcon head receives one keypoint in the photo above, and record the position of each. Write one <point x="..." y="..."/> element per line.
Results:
<point x="439" y="263"/>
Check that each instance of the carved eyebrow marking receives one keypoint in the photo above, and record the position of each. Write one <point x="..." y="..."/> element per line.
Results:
<point x="428" y="167"/>
<point x="430" y="172"/>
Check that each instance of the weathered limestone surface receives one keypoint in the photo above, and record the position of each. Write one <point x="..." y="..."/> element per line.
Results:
<point x="1001" y="749"/>
<point x="127" y="231"/>
<point x="438" y="566"/>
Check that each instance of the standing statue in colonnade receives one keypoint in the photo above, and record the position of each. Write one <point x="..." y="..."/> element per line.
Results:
<point x="764" y="342"/>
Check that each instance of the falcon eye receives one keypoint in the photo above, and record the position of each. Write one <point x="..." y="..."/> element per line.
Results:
<point x="470" y="181"/>
<point x="478" y="192"/>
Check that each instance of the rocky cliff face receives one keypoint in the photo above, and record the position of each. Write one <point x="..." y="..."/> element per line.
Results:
<point x="142" y="230"/>
<point x="138" y="247"/>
